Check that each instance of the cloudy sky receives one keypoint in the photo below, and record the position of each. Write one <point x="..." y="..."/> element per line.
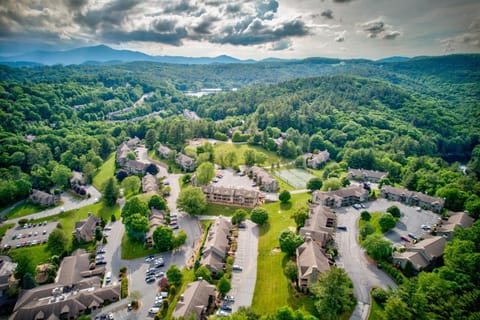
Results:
<point x="244" y="28"/>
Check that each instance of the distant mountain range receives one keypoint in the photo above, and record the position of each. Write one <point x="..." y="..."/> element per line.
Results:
<point x="105" y="55"/>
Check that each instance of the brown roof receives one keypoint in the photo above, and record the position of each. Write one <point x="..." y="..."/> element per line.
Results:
<point x="456" y="219"/>
<point x="341" y="193"/>
<point x="184" y="159"/>
<point x="85" y="229"/>
<point x="319" y="225"/>
<point x="196" y="298"/>
<point x="136" y="165"/>
<point x="72" y="266"/>
<point x="413" y="194"/>
<point x="164" y="149"/>
<point x="149" y="183"/>
<point x="264" y="176"/>
<point x="416" y="258"/>
<point x="433" y="247"/>
<point x="43" y="303"/>
<point x="310" y="257"/>
<point x="216" y="244"/>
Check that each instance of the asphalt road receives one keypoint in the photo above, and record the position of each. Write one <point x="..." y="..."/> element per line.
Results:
<point x="243" y="282"/>
<point x="352" y="258"/>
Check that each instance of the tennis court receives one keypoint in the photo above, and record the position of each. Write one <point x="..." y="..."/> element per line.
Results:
<point x="297" y="178"/>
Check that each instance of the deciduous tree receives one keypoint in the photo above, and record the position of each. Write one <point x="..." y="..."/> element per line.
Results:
<point x="289" y="242"/>
<point x="205" y="173"/>
<point x="259" y="215"/>
<point x="377" y="247"/>
<point x="192" y="200"/>
<point x="315" y="184"/>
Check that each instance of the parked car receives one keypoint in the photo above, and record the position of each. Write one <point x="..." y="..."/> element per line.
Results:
<point x="426" y="227"/>
<point x="110" y="316"/>
<point x="153" y="310"/>
<point x="229" y="299"/>
<point x="357" y="206"/>
<point x="226" y="307"/>
<point x="149" y="258"/>
<point x="149" y="279"/>
<point x="405" y="238"/>
<point x="344" y="228"/>
<point x="242" y="225"/>
<point x="236" y="267"/>
<point x="411" y="235"/>
<point x="159" y="274"/>
<point x="174" y="227"/>
<point x="159" y="263"/>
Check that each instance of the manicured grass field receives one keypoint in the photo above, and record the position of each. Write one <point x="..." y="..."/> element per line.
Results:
<point x="133" y="250"/>
<point x="272" y="289"/>
<point x="240" y="149"/>
<point x="106" y="171"/>
<point x="26" y="209"/>
<point x="219" y="209"/>
<point x="37" y="254"/>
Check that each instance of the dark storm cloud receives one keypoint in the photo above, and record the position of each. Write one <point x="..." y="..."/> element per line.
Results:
<point x="327" y="14"/>
<point x="178" y="7"/>
<point x="111" y="15"/>
<point x="164" y="25"/>
<point x="76" y="4"/>
<point x="258" y="33"/>
<point x="205" y="26"/>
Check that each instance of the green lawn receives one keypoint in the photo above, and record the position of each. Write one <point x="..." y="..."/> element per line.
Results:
<point x="240" y="149"/>
<point x="133" y="250"/>
<point x="26" y="209"/>
<point x="376" y="310"/>
<point x="68" y="219"/>
<point x="373" y="221"/>
<point x="106" y="171"/>
<point x="272" y="289"/>
<point x="37" y="254"/>
<point x="220" y="209"/>
<point x="4" y="228"/>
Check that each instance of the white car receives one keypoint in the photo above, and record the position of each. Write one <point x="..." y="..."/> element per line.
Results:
<point x="236" y="267"/>
<point x="153" y="310"/>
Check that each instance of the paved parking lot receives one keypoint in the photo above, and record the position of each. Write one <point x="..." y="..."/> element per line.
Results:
<point x="232" y="179"/>
<point x="20" y="236"/>
<point x="410" y="222"/>
<point x="243" y="282"/>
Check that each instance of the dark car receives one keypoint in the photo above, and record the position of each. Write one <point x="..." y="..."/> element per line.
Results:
<point x="150" y="279"/>
<point x="344" y="228"/>
<point x="411" y="235"/>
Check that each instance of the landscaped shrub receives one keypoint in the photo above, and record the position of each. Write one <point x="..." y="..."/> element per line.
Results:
<point x="396" y="275"/>
<point x="365" y="215"/>
<point x="124" y="289"/>
<point x="380" y="295"/>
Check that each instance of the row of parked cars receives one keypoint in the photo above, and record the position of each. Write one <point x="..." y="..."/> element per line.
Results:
<point x="153" y="271"/>
<point x="226" y="307"/>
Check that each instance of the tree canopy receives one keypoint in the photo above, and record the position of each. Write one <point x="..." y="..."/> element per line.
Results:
<point x="192" y="200"/>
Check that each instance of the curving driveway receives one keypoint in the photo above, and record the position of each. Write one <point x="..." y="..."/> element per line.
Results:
<point x="364" y="274"/>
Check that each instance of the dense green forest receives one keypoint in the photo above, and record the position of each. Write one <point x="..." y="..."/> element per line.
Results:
<point x="414" y="119"/>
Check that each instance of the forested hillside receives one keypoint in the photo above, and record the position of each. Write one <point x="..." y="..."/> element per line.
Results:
<point x="413" y="119"/>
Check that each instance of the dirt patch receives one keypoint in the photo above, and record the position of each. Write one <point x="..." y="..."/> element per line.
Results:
<point x="276" y="250"/>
